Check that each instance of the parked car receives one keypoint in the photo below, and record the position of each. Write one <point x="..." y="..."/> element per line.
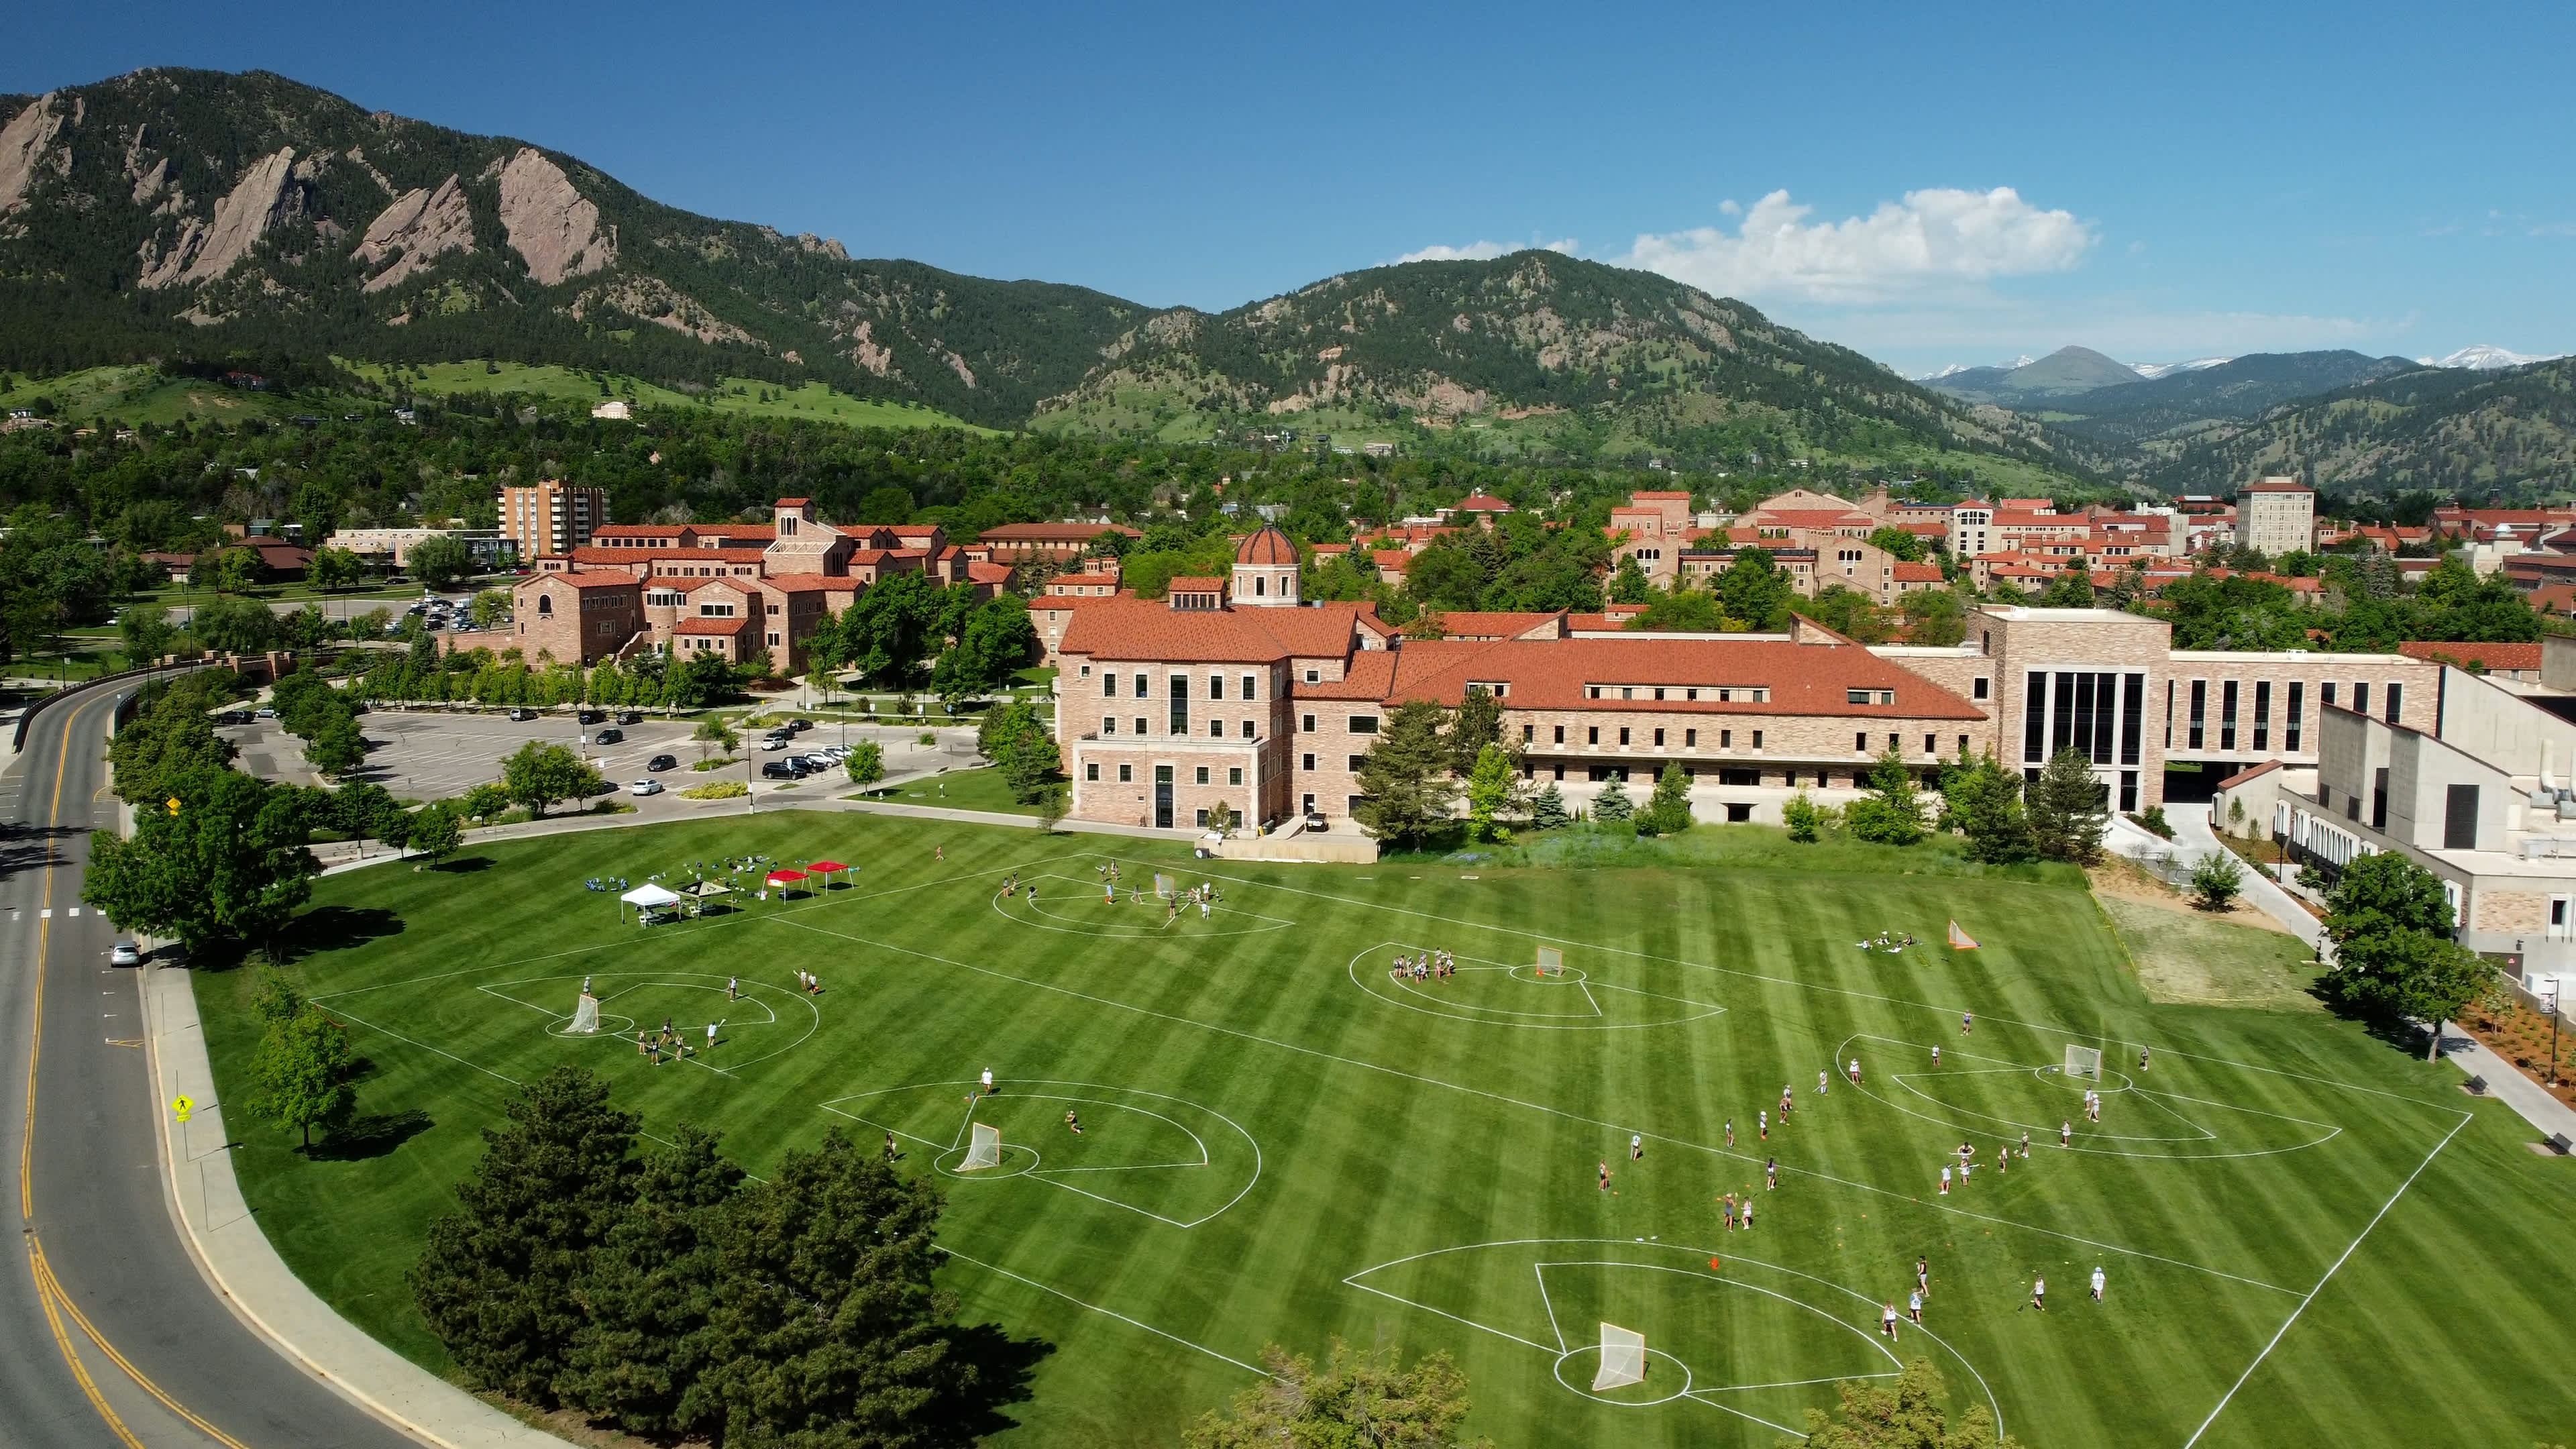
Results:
<point x="818" y="761"/>
<point x="264" y="712"/>
<point x="609" y="737"/>
<point x="592" y="716"/>
<point x="630" y="716"/>
<point x="233" y="717"/>
<point x="774" y="742"/>
<point x="522" y="716"/>
<point x="645" y="787"/>
<point x="781" y="770"/>
<point x="124" y="953"/>
<point x="663" y="762"/>
<point x="1314" y="820"/>
<point x="837" y="752"/>
<point x="800" y="725"/>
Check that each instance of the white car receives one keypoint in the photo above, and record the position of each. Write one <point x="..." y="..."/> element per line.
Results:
<point x="774" y="742"/>
<point x="123" y="953"/>
<point x="645" y="787"/>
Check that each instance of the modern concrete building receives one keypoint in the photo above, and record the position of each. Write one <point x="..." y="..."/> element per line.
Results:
<point x="551" y="517"/>
<point x="2276" y="516"/>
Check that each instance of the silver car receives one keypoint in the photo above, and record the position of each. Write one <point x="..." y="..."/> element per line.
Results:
<point x="645" y="787"/>
<point x="124" y="953"/>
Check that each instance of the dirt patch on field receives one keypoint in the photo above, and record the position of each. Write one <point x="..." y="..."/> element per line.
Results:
<point x="2187" y="957"/>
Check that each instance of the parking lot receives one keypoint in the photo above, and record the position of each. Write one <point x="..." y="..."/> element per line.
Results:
<point x="438" y="754"/>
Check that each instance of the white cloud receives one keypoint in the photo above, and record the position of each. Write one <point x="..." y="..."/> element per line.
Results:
<point x="1483" y="251"/>
<point x="1932" y="241"/>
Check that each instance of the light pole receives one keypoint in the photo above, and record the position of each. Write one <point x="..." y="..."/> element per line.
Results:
<point x="2553" y="1030"/>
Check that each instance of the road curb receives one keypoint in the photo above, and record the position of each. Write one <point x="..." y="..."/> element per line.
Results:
<point x="235" y="1255"/>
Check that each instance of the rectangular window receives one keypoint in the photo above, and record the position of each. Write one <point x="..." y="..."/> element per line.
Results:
<point x="1726" y="739"/>
<point x="1202" y="819"/>
<point x="1109" y="724"/>
<point x="1560" y="734"/>
<point x="1980" y="687"/>
<point x="2290" y="717"/>
<point x="1216" y="686"/>
<point x="2460" y="818"/>
<point x="1140" y="724"/>
<point x="2262" y="715"/>
<point x="2199" y="713"/>
<point x="2360" y="698"/>
<point x="2227" y="715"/>
<point x="1860" y="743"/>
<point x="2378" y="792"/>
<point x="2169" y="711"/>
<point x="2558" y="918"/>
<point x="1179" y="704"/>
<point x="1856" y="696"/>
<point x="1091" y="771"/>
<point x="2034" y="717"/>
<point x="1306" y="722"/>
<point x="1216" y="729"/>
<point x="1247" y="729"/>
<point x="1757" y="739"/>
<point x="1306" y="762"/>
<point x="2128" y="790"/>
<point x="1592" y="734"/>
<point x="1126" y="774"/>
<point x="1356" y="761"/>
<point x="1363" y="724"/>
<point x="1234" y="775"/>
<point x="1659" y="739"/>
<point x="1109" y="686"/>
<point x="2133" y="717"/>
<point x="1690" y="739"/>
<point x="1249" y="681"/>
<point x="1528" y="733"/>
<point x="1623" y="734"/>
<point x="2081" y="737"/>
<point x="1931" y="744"/>
<point x="2396" y="692"/>
<point x="1202" y="776"/>
<point x="2325" y="695"/>
<point x="2105" y="708"/>
<point x="2061" y="724"/>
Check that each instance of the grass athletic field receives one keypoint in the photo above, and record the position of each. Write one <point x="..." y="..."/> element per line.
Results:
<point x="2308" y="1236"/>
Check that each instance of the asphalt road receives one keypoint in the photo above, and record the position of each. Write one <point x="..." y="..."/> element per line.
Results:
<point x="113" y="1338"/>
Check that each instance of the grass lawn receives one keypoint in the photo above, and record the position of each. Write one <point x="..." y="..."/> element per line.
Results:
<point x="981" y="789"/>
<point x="813" y="401"/>
<point x="141" y="393"/>
<point x="2311" y="1236"/>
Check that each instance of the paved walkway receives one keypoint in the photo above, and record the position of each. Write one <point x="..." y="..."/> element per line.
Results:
<point x="2193" y="840"/>
<point x="2508" y="1085"/>
<point x="245" y="1269"/>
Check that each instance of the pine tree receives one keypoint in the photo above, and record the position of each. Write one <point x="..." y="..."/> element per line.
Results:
<point x="2067" y="813"/>
<point x="1668" y="811"/>
<point x="649" y="1290"/>
<point x="1984" y="804"/>
<point x="1892" y="812"/>
<point x="1547" y="809"/>
<point x="1405" y="788"/>
<point x="1613" y="803"/>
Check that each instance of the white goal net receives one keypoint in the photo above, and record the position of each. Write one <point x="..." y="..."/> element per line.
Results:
<point x="585" y="1017"/>
<point x="1551" y="961"/>
<point x="1623" y="1358"/>
<point x="985" y="1150"/>
<point x="1162" y="885"/>
<point x="2085" y="1062"/>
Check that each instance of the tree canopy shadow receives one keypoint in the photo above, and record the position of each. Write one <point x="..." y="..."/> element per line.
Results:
<point x="463" y="865"/>
<point x="28" y="847"/>
<point x="336" y="928"/>
<point x="1002" y="1369"/>
<point x="373" y="1135"/>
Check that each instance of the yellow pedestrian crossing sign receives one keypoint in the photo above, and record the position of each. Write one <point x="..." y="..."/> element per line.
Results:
<point x="173" y="803"/>
<point x="180" y="1107"/>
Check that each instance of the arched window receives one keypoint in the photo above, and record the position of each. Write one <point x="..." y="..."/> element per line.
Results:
<point x="545" y="606"/>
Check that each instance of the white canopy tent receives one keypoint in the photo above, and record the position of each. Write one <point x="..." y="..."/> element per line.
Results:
<point x="650" y="897"/>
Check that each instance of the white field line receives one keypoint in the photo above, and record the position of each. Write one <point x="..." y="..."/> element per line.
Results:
<point x="2312" y="1293"/>
<point x="1747" y="1159"/>
<point x="1112" y="1313"/>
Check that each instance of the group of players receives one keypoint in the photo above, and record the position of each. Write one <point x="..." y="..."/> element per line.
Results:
<point x="1424" y="966"/>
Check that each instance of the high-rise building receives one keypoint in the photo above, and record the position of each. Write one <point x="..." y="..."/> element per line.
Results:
<point x="551" y="518"/>
<point x="2276" y="516"/>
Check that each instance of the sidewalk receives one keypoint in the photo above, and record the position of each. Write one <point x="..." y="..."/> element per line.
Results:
<point x="2511" y="1087"/>
<point x="237" y="1258"/>
<point x="2193" y="840"/>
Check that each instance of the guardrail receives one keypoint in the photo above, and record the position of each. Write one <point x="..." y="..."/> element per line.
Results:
<point x="18" y="741"/>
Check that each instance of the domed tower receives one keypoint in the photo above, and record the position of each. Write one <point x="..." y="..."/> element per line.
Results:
<point x="1265" y="571"/>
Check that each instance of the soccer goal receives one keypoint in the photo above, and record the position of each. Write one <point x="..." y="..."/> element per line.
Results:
<point x="1162" y="886"/>
<point x="1623" y="1358"/>
<point x="585" y="1017"/>
<point x="2085" y="1062"/>
<point x="1551" y="961"/>
<point x="985" y="1151"/>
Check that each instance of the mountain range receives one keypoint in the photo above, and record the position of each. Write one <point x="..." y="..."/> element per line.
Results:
<point x="209" y="215"/>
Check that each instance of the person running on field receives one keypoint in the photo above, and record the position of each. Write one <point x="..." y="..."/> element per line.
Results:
<point x="2097" y="1282"/>
<point x="1936" y="1056"/>
<point x="1605" y="1174"/>
<point x="1855" y="1071"/>
<point x="2142" y="1058"/>
<point x="1771" y="1174"/>
<point x="1887" y="1321"/>
<point x="1821" y="1079"/>
<point x="1766" y="1124"/>
<point x="1967" y="1022"/>
<point x="2039" y="1294"/>
<point x="1945" y="1179"/>
<point x="988" y="1081"/>
<point x="2003" y="1158"/>
<point x="1636" y="1147"/>
<point x="641" y="1043"/>
<point x="2025" y="1144"/>
<point x="891" y="1153"/>
<point x="711" y="1034"/>
<point x="1730" y="1132"/>
<point x="2065" y="1134"/>
<point x="1914" y="1308"/>
<point x="733" y="988"/>
<point x="1748" y="1208"/>
<point x="1073" y="1124"/>
<point x="1923" y="1274"/>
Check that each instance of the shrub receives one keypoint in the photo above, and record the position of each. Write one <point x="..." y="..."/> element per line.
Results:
<point x="716" y="790"/>
<point x="2216" y="881"/>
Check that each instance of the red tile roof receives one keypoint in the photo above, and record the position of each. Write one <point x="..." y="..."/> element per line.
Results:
<point x="588" y="579"/>
<point x="1053" y="532"/>
<point x="1269" y="546"/>
<point x="1124" y="627"/>
<point x="808" y="583"/>
<point x="1487" y="503"/>
<point x="2241" y="776"/>
<point x="698" y="625"/>
<point x="2485" y="656"/>
<point x="1466" y="624"/>
<point x="1917" y="573"/>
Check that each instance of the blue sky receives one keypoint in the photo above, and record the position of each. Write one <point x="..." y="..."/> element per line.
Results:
<point x="1943" y="183"/>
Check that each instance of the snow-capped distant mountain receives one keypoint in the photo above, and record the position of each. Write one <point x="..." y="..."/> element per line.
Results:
<point x="2485" y="358"/>
<point x="1944" y="372"/>
<point x="2154" y="370"/>
<point x="1956" y="368"/>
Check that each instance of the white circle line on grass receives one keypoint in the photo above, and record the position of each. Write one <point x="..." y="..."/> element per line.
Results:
<point x="1206" y="931"/>
<point x="1870" y="1303"/>
<point x="708" y="983"/>
<point x="1525" y="1020"/>
<point x="1558" y="1371"/>
<point x="1053" y="1176"/>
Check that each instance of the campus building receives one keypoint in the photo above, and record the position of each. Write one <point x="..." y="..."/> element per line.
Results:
<point x="551" y="516"/>
<point x="2276" y="516"/>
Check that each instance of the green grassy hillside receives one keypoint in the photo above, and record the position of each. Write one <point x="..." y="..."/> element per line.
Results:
<point x="749" y="396"/>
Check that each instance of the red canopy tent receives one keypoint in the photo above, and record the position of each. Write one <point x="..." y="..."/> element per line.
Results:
<point x="783" y="877"/>
<point x="827" y="869"/>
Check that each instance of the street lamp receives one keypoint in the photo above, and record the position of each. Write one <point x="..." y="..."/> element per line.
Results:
<point x="2553" y="1029"/>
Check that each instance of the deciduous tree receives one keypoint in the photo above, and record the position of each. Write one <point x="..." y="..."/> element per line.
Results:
<point x="302" y="1071"/>
<point x="228" y="864"/>
<point x="538" y="774"/>
<point x="1892" y="812"/>
<point x="1668" y="810"/>
<point x="1360" y="1397"/>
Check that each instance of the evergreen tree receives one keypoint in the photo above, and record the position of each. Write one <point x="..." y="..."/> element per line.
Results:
<point x="496" y="1282"/>
<point x="1613" y="804"/>
<point x="1668" y="811"/>
<point x="1476" y="724"/>
<point x="643" y="1349"/>
<point x="1983" y="802"/>
<point x="1892" y="812"/>
<point x="2066" y="809"/>
<point x="826" y="1329"/>
<point x="1405" y="788"/>
<point x="1547" y="809"/>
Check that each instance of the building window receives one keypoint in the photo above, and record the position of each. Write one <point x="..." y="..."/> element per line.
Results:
<point x="1247" y="729"/>
<point x="1126" y="774"/>
<point x="1690" y="739"/>
<point x="773" y="640"/>
<point x="2360" y="698"/>
<point x="1355" y="762"/>
<point x="1109" y="724"/>
<point x="1757" y="739"/>
<point x="1363" y="724"/>
<point x="1306" y="762"/>
<point x="1248" y="681"/>
<point x="1726" y="739"/>
<point x="2378" y="791"/>
<point x="2325" y="695"/>
<point x="1178" y="706"/>
<point x="2290" y="722"/>
<point x="1202" y="777"/>
<point x="1140" y="724"/>
<point x="1109" y="686"/>
<point x="1216" y="686"/>
<point x="1314" y="676"/>
<point x="1931" y="744"/>
<point x="2460" y="818"/>
<point x="1860" y="743"/>
<point x="1980" y="687"/>
<point x="1234" y="775"/>
<point x="1560" y="734"/>
<point x="1306" y="722"/>
<point x="1216" y="729"/>
<point x="2133" y="717"/>
<point x="1202" y="815"/>
<point x="2199" y="712"/>
<point x="1091" y="771"/>
<point x="2396" y="692"/>
<point x="2262" y="715"/>
<point x="2227" y="715"/>
<point x="2034" y="717"/>
<point x="1529" y="733"/>
<point x="1592" y="734"/>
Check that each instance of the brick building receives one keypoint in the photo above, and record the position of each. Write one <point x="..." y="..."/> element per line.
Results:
<point x="551" y="517"/>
